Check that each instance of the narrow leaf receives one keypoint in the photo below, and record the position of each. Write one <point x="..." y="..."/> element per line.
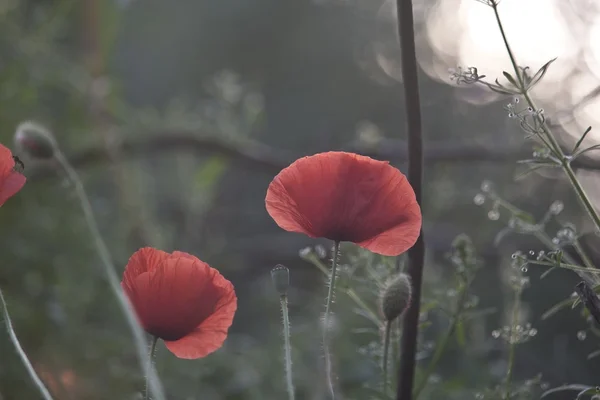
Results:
<point x="461" y="337"/>
<point x="510" y="78"/>
<point x="581" y="139"/>
<point x="574" y="387"/>
<point x="540" y="74"/>
<point x="556" y="308"/>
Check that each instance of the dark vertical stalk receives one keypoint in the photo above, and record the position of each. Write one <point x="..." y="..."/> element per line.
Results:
<point x="416" y="255"/>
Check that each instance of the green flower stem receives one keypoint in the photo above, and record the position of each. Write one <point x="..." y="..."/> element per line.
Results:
<point x="351" y="293"/>
<point x="287" y="347"/>
<point x="441" y="347"/>
<point x="554" y="146"/>
<point x="512" y="343"/>
<point x="13" y="338"/>
<point x="385" y="362"/>
<point x="151" y="356"/>
<point x="330" y="294"/>
<point x="111" y="275"/>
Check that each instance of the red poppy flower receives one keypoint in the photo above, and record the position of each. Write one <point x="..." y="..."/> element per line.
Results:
<point x="11" y="180"/>
<point x="181" y="300"/>
<point x="347" y="197"/>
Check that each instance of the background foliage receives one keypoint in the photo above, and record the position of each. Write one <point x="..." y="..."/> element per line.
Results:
<point x="178" y="117"/>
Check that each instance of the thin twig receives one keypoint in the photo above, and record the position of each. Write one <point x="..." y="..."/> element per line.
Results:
<point x="416" y="255"/>
<point x="263" y="158"/>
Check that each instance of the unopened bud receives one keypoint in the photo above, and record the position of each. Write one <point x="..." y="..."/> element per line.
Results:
<point x="35" y="141"/>
<point x="395" y="297"/>
<point x="281" y="279"/>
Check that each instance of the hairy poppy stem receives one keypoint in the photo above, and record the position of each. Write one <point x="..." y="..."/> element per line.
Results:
<point x="151" y="355"/>
<point x="287" y="346"/>
<point x="13" y="338"/>
<point x="416" y="255"/>
<point x="330" y="294"/>
<point x="386" y="350"/>
<point x="111" y="275"/>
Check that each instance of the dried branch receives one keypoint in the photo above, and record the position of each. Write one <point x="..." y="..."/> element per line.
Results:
<point x="260" y="157"/>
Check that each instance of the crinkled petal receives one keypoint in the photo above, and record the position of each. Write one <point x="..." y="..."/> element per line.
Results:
<point x="212" y="332"/>
<point x="144" y="260"/>
<point x="346" y="197"/>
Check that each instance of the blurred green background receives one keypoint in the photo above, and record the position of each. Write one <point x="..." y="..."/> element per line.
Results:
<point x="178" y="114"/>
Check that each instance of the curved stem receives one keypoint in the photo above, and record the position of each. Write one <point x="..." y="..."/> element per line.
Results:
<point x="330" y="294"/>
<point x="386" y="349"/>
<point x="150" y="365"/>
<point x="287" y="347"/>
<point x="111" y="275"/>
<point x="13" y="338"/>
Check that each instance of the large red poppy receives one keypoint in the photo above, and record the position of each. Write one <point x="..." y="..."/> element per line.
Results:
<point x="347" y="197"/>
<point x="181" y="300"/>
<point x="11" y="180"/>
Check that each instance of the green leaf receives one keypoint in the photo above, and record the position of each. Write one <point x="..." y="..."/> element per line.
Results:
<point x="547" y="272"/>
<point x="581" y="139"/>
<point x="524" y="174"/>
<point x="564" y="388"/>
<point x="498" y="88"/>
<point x="593" y="354"/>
<point x="461" y="337"/>
<point x="510" y="79"/>
<point x="556" y="308"/>
<point x="594" y="147"/>
<point x="540" y="74"/>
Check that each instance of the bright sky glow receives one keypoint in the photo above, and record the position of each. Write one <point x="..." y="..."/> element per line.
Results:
<point x="465" y="33"/>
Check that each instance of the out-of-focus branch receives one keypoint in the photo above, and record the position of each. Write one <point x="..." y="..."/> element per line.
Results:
<point x="261" y="157"/>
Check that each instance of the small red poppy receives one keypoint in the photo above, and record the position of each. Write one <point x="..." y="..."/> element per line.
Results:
<point x="181" y="300"/>
<point x="11" y="180"/>
<point x="347" y="197"/>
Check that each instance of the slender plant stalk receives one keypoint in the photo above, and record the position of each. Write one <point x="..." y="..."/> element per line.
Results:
<point x="351" y="293"/>
<point x="584" y="257"/>
<point x="330" y="294"/>
<point x="287" y="347"/>
<point x="512" y="343"/>
<point x="111" y="275"/>
<point x="441" y="347"/>
<point x="385" y="362"/>
<point x="151" y="356"/>
<point x="553" y="144"/>
<point x="416" y="255"/>
<point x="13" y="338"/>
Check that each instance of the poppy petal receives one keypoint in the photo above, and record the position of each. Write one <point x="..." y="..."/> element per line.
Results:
<point x="174" y="298"/>
<point x="7" y="163"/>
<point x="10" y="185"/>
<point x="143" y="260"/>
<point x="212" y="332"/>
<point x="346" y="197"/>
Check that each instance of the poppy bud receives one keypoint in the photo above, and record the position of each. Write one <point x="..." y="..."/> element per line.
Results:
<point x="281" y="279"/>
<point x="35" y="141"/>
<point x="395" y="298"/>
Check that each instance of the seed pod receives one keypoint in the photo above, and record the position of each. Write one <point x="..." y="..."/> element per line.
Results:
<point x="281" y="279"/>
<point x="395" y="297"/>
